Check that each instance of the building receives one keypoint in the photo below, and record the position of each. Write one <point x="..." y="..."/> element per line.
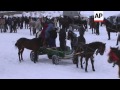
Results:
<point x="2" y="13"/>
<point x="71" y="13"/>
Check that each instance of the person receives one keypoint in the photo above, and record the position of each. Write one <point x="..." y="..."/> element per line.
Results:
<point x="38" y="25"/>
<point x="2" y="23"/>
<point x="97" y="28"/>
<point x="81" y="30"/>
<point x="48" y="29"/>
<point x="62" y="39"/>
<point x="42" y="34"/>
<point x="55" y="22"/>
<point x="70" y="28"/>
<point x="52" y="38"/>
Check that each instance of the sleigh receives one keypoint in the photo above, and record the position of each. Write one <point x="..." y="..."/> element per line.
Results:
<point x="56" y="54"/>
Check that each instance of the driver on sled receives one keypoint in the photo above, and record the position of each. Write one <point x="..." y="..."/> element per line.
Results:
<point x="48" y="37"/>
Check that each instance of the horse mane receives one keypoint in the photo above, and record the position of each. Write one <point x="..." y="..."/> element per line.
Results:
<point x="96" y="42"/>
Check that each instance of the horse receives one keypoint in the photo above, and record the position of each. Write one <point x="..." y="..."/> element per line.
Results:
<point x="75" y="40"/>
<point x="114" y="57"/>
<point x="31" y="44"/>
<point x="110" y="27"/>
<point x="87" y="51"/>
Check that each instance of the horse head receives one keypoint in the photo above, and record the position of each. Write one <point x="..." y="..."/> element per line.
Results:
<point x="71" y="35"/>
<point x="101" y="49"/>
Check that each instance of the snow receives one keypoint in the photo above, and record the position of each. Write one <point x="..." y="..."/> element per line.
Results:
<point x="11" y="68"/>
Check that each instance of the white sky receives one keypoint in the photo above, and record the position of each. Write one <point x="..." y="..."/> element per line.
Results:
<point x="106" y="13"/>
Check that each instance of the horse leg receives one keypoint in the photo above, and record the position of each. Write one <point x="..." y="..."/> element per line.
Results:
<point x="108" y="35"/>
<point x="81" y="62"/>
<point x="119" y="71"/>
<point x="19" y="55"/>
<point x="35" y="59"/>
<point x="92" y="62"/>
<point x="117" y="42"/>
<point x="118" y="39"/>
<point x="22" y="53"/>
<point x="86" y="64"/>
<point x="92" y="30"/>
<point x="77" y="61"/>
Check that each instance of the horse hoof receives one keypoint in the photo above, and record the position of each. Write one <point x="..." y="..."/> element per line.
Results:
<point x="94" y="70"/>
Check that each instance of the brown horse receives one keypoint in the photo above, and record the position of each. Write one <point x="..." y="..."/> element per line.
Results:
<point x="114" y="57"/>
<point x="31" y="44"/>
<point x="87" y="51"/>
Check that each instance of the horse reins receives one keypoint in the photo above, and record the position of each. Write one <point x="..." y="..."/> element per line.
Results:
<point x="86" y="47"/>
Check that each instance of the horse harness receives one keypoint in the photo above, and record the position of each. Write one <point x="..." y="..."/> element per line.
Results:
<point x="83" y="51"/>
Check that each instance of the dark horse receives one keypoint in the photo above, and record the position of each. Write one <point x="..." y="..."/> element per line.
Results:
<point x="31" y="44"/>
<point x="110" y="27"/>
<point x="87" y="51"/>
<point x="114" y="57"/>
<point x="75" y="40"/>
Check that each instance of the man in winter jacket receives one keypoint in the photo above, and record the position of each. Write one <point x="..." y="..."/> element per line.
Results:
<point x="81" y="30"/>
<point x="52" y="38"/>
<point x="48" y="29"/>
<point x="62" y="39"/>
<point x="97" y="28"/>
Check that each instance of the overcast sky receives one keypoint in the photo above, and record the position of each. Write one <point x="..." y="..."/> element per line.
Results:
<point x="106" y="13"/>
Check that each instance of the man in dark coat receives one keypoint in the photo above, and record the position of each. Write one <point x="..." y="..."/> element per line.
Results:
<point x="62" y="39"/>
<point x="81" y="30"/>
<point x="48" y="30"/>
<point x="52" y="39"/>
<point x="97" y="28"/>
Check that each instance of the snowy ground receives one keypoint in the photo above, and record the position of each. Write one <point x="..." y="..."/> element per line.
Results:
<point x="11" y="68"/>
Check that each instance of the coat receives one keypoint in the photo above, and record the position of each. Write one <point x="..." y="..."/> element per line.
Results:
<point x="49" y="28"/>
<point x="43" y="31"/>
